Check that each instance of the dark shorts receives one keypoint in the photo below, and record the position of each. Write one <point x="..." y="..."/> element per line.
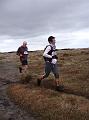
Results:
<point x="49" y="67"/>
<point x="24" y="62"/>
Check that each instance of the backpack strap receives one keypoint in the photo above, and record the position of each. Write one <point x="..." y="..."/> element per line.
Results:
<point x="50" y="52"/>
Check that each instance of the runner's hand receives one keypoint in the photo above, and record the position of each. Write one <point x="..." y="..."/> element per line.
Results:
<point x="20" y="55"/>
<point x="54" y="61"/>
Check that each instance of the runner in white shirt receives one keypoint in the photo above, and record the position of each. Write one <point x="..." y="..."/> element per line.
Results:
<point x="50" y="58"/>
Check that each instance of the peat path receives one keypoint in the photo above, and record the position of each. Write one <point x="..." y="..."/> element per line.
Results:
<point x="9" y="111"/>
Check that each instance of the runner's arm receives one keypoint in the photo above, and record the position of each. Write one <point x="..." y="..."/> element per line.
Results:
<point x="45" y="54"/>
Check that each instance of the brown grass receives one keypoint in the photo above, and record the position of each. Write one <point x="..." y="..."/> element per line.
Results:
<point x="47" y="104"/>
<point x="2" y="57"/>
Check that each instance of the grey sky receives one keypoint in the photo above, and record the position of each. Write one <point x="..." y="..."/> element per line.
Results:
<point x="36" y="19"/>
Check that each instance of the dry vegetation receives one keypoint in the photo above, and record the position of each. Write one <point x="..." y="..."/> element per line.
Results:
<point x="47" y="104"/>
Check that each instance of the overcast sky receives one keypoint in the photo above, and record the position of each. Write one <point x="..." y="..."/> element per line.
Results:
<point x="35" y="20"/>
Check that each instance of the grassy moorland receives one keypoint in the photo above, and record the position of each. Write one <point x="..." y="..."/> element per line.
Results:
<point x="44" y="102"/>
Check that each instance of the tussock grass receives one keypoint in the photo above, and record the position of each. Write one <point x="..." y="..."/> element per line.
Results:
<point x="2" y="57"/>
<point x="25" y="78"/>
<point x="47" y="104"/>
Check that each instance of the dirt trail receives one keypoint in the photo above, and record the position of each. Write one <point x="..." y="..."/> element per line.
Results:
<point x="9" y="111"/>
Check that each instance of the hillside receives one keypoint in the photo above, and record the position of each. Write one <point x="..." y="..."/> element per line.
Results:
<point x="44" y="103"/>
